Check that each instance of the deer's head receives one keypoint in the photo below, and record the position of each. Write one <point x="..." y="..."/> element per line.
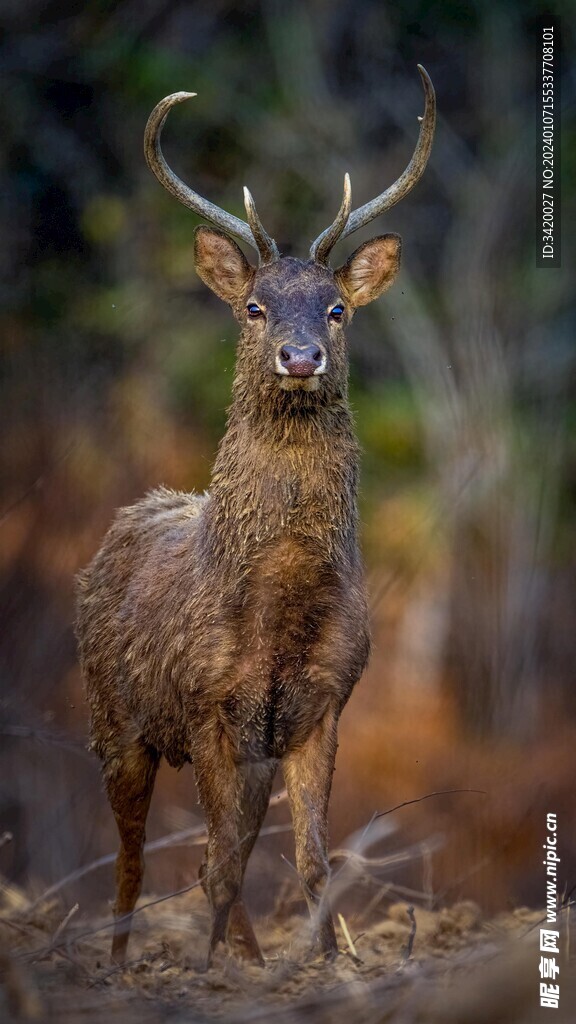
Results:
<point x="293" y="312"/>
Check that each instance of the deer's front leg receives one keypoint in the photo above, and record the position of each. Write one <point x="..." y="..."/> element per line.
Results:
<point x="308" y="775"/>
<point x="219" y="783"/>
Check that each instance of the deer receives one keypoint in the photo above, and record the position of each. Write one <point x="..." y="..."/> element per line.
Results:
<point x="228" y="629"/>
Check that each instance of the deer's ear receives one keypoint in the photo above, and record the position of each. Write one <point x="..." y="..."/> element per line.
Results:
<point x="370" y="270"/>
<point x="222" y="265"/>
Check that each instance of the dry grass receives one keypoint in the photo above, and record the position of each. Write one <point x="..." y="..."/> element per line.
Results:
<point x="406" y="965"/>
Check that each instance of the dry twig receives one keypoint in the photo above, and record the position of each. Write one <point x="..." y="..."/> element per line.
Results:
<point x="351" y="947"/>
<point x="419" y="799"/>
<point x="407" y="951"/>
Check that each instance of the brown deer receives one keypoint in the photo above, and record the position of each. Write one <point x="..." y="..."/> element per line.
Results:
<point x="228" y="629"/>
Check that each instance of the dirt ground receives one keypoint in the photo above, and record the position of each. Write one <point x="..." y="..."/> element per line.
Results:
<point x="449" y="966"/>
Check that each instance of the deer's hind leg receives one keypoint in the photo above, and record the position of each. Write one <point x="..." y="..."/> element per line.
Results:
<point x="129" y="770"/>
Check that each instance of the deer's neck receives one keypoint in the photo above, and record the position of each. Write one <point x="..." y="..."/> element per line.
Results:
<point x="292" y="477"/>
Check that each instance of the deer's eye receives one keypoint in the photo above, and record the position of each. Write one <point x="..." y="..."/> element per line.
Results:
<point x="253" y="310"/>
<point x="336" y="313"/>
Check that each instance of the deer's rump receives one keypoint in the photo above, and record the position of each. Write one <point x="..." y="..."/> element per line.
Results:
<point x="129" y="625"/>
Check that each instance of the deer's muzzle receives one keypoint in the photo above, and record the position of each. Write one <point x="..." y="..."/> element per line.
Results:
<point x="300" y="361"/>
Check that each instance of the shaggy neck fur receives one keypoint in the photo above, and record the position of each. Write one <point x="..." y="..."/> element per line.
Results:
<point x="286" y="467"/>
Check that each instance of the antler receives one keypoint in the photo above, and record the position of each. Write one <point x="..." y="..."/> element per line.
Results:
<point x="321" y="248"/>
<point x="254" y="235"/>
<point x="325" y="242"/>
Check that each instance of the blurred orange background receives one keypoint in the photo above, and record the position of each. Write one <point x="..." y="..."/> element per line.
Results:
<point x="117" y="365"/>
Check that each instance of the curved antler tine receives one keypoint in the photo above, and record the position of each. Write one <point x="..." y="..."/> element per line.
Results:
<point x="267" y="247"/>
<point x="173" y="184"/>
<point x="414" y="170"/>
<point x="320" y="249"/>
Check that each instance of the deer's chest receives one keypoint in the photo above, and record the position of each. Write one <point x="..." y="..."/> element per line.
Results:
<point x="300" y="646"/>
<point x="289" y="593"/>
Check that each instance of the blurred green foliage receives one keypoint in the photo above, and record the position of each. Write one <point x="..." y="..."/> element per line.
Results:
<point x="117" y="361"/>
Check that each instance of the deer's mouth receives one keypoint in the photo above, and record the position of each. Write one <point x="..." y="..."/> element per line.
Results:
<point x="289" y="383"/>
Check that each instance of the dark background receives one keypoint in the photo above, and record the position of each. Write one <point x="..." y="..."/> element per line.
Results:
<point x="116" y="369"/>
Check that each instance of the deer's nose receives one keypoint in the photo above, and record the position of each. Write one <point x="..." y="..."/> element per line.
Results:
<point x="301" y="360"/>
